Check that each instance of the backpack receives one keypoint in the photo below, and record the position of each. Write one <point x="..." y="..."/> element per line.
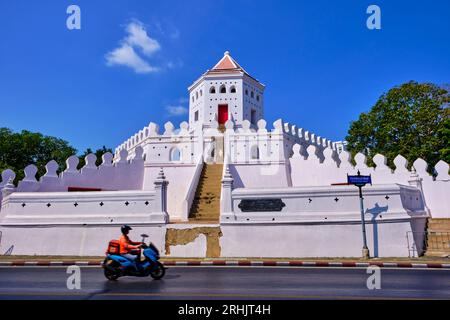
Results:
<point x="113" y="247"/>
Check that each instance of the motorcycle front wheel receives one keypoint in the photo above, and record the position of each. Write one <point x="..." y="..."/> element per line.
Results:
<point x="158" y="272"/>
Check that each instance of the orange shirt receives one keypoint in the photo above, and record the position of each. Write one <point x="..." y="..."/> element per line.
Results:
<point x="126" y="245"/>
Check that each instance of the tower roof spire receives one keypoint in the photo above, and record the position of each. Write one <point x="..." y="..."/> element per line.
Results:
<point x="228" y="64"/>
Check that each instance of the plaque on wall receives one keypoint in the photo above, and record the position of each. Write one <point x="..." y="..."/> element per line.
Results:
<point x="261" y="205"/>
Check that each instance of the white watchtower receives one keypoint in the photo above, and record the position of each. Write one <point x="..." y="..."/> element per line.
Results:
<point x="225" y="92"/>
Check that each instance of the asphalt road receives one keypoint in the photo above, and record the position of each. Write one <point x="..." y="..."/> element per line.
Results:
<point x="227" y="283"/>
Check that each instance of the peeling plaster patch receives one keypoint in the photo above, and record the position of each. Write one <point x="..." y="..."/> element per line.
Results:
<point x="194" y="249"/>
<point x="176" y="237"/>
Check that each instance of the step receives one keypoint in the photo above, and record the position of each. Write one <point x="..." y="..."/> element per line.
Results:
<point x="439" y="227"/>
<point x="214" y="181"/>
<point x="206" y="212"/>
<point x="210" y="183"/>
<point x="208" y="201"/>
<point x="209" y="188"/>
<point x="205" y="217"/>
<point x="437" y="253"/>
<point x="193" y="220"/>
<point x="206" y="196"/>
<point x="206" y="191"/>
<point x="445" y="221"/>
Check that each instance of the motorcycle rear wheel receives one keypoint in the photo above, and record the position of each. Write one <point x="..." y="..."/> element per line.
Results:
<point x="110" y="269"/>
<point x="110" y="275"/>
<point x="158" y="272"/>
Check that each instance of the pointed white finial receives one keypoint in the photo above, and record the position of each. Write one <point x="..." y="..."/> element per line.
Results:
<point x="227" y="53"/>
<point x="161" y="175"/>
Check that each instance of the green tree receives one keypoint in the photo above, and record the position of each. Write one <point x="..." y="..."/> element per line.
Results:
<point x="408" y="120"/>
<point x="99" y="153"/>
<point x="444" y="135"/>
<point x="19" y="149"/>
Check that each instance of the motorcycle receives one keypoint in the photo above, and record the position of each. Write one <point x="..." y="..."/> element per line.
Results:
<point x="116" y="266"/>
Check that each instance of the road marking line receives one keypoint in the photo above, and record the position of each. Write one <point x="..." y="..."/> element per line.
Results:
<point x="248" y="263"/>
<point x="390" y="264"/>
<point x="362" y="264"/>
<point x="336" y="264"/>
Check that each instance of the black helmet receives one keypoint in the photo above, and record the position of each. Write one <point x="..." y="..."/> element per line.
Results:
<point x="125" y="228"/>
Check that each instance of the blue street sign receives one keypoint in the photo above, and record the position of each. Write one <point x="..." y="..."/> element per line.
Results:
<point x="359" y="180"/>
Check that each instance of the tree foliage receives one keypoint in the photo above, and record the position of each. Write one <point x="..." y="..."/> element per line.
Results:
<point x="444" y="135"/>
<point x="409" y="120"/>
<point x="99" y="153"/>
<point x="18" y="150"/>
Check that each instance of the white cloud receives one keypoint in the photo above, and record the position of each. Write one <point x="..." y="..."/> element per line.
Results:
<point x="126" y="54"/>
<point x="177" y="110"/>
<point x="137" y="36"/>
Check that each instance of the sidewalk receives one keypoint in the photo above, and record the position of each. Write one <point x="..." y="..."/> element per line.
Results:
<point x="424" y="262"/>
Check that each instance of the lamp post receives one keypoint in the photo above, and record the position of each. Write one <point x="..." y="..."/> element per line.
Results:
<point x="360" y="181"/>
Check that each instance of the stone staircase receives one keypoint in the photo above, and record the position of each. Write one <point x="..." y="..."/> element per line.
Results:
<point x="438" y="238"/>
<point x="206" y="205"/>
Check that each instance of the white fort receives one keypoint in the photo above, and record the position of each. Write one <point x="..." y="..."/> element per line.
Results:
<point x="224" y="184"/>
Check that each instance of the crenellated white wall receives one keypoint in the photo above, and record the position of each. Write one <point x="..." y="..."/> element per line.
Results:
<point x="122" y="175"/>
<point x="307" y="169"/>
<point x="159" y="147"/>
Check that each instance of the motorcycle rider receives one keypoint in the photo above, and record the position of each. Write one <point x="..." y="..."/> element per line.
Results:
<point x="129" y="249"/>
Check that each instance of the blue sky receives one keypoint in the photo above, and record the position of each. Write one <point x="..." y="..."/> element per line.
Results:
<point x="321" y="66"/>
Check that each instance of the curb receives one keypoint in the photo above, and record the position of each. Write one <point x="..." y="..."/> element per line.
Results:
<point x="246" y="263"/>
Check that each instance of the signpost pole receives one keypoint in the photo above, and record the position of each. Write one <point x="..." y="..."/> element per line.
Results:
<point x="360" y="181"/>
<point x="365" y="249"/>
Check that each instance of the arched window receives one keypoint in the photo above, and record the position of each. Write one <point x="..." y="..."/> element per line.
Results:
<point x="233" y="89"/>
<point x="193" y="98"/>
<point x="254" y="152"/>
<point x="223" y="89"/>
<point x="246" y="92"/>
<point x="175" y="154"/>
<point x="201" y="93"/>
<point x="212" y="89"/>
<point x="257" y="97"/>
<point x="196" y="95"/>
<point x="252" y="94"/>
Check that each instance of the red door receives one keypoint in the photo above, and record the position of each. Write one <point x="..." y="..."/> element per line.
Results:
<point x="223" y="113"/>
